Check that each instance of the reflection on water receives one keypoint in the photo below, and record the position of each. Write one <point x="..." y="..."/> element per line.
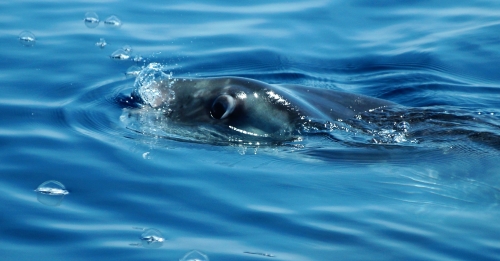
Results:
<point x="404" y="183"/>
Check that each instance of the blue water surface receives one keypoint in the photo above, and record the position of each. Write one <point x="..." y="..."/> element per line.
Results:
<point x="377" y="192"/>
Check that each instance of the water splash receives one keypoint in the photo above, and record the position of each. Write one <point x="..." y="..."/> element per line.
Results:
<point x="153" y="86"/>
<point x="403" y="126"/>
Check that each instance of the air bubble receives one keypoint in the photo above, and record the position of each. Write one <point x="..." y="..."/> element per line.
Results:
<point x="133" y="71"/>
<point x="152" y="238"/>
<point x="27" y="38"/>
<point x="194" y="255"/>
<point x="91" y="20"/>
<point x="403" y="126"/>
<point x="113" y="21"/>
<point x="101" y="43"/>
<point x="122" y="53"/>
<point x="51" y="193"/>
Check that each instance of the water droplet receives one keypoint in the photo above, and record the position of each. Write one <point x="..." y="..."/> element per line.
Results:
<point x="27" y="38"/>
<point x="101" y="43"/>
<point x="113" y="21"/>
<point x="138" y="58"/>
<point x="152" y="238"/>
<point x="51" y="193"/>
<point x="194" y="255"/>
<point x="91" y="20"/>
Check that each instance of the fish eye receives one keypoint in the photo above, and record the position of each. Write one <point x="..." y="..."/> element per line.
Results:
<point x="222" y="107"/>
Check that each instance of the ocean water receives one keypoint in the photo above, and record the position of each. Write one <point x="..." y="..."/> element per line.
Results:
<point x="421" y="182"/>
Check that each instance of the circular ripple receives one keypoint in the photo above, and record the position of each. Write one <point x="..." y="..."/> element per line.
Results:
<point x="106" y="111"/>
<point x="96" y="113"/>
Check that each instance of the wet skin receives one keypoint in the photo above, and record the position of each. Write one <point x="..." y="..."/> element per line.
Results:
<point x="254" y="108"/>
